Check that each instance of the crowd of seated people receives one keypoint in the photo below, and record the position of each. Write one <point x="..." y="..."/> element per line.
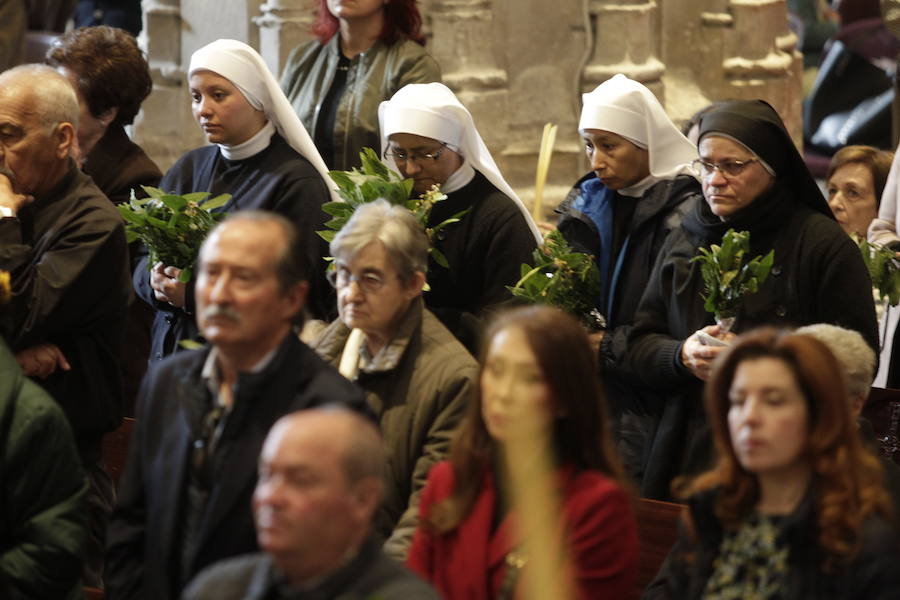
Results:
<point x="380" y="453"/>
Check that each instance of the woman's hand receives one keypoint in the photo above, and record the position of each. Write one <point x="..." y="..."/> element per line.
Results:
<point x="42" y="360"/>
<point x="165" y="284"/>
<point x="699" y="357"/>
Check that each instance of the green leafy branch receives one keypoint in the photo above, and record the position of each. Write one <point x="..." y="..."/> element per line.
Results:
<point x="562" y="278"/>
<point x="884" y="269"/>
<point x="172" y="227"/>
<point x="374" y="180"/>
<point x="728" y="275"/>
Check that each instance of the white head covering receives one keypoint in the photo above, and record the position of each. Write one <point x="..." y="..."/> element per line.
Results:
<point x="433" y="111"/>
<point x="244" y="67"/>
<point x="627" y="108"/>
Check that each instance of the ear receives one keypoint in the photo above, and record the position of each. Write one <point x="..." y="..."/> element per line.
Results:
<point x="856" y="405"/>
<point x="365" y="497"/>
<point x="64" y="139"/>
<point x="414" y="285"/>
<point x="295" y="298"/>
<point x="108" y="116"/>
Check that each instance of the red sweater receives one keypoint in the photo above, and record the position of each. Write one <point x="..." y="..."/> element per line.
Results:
<point x="468" y="563"/>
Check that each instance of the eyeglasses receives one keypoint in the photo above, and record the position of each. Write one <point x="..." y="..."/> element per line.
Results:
<point x="400" y="156"/>
<point x="369" y="283"/>
<point x="728" y="168"/>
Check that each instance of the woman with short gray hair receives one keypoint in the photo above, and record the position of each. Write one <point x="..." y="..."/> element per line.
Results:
<point x="418" y="378"/>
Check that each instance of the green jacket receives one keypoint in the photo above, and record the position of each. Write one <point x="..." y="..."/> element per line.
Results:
<point x="43" y="493"/>
<point x="418" y="386"/>
<point x="374" y="76"/>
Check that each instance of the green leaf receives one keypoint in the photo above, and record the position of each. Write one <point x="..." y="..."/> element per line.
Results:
<point x="328" y="236"/>
<point x="214" y="203"/>
<point x="439" y="258"/>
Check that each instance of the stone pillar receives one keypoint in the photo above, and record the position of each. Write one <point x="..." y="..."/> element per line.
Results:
<point x="283" y="25"/>
<point x="463" y="43"/>
<point x="625" y="41"/>
<point x="165" y="116"/>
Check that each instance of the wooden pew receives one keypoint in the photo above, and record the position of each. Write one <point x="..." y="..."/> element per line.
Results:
<point x="93" y="594"/>
<point x="657" y="524"/>
<point x="115" y="449"/>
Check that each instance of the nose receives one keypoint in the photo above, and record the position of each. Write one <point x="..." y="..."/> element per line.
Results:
<point x="717" y="179"/>
<point x="412" y="167"/>
<point x="203" y="107"/>
<point x="219" y="291"/>
<point x="598" y="161"/>
<point x="352" y="292"/>
<point x="751" y="412"/>
<point x="836" y="202"/>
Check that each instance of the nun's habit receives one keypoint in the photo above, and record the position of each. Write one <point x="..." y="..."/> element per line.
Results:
<point x="277" y="169"/>
<point x="818" y="277"/>
<point x="625" y="229"/>
<point x="488" y="246"/>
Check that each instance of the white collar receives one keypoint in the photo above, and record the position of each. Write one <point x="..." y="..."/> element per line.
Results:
<point x="459" y="178"/>
<point x="256" y="144"/>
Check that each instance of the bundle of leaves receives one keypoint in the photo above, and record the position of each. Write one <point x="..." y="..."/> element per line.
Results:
<point x="562" y="278"/>
<point x="884" y="269"/>
<point x="172" y="227"/>
<point x="729" y="274"/>
<point x="374" y="180"/>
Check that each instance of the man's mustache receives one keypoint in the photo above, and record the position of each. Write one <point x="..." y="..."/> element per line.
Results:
<point x="220" y="310"/>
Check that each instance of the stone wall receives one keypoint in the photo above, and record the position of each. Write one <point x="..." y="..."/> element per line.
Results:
<point x="516" y="64"/>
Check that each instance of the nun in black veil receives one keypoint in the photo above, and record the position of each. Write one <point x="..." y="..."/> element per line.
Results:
<point x="754" y="180"/>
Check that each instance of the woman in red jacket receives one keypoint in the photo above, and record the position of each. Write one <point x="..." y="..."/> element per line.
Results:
<point x="537" y="357"/>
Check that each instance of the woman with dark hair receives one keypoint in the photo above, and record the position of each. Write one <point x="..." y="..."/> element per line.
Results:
<point x="538" y="359"/>
<point x="855" y="181"/>
<point x="794" y="506"/>
<point x="753" y="180"/>
<point x="364" y="52"/>
<point x="111" y="78"/>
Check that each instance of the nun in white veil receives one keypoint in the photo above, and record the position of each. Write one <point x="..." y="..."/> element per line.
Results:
<point x="640" y="186"/>
<point x="261" y="154"/>
<point x="428" y="135"/>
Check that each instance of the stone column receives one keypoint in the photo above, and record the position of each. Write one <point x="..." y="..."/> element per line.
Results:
<point x="625" y="41"/>
<point x="165" y="116"/>
<point x="463" y="43"/>
<point x="283" y="25"/>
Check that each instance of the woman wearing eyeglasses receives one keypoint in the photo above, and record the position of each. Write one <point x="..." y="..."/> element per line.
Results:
<point x="431" y="138"/>
<point x="753" y="180"/>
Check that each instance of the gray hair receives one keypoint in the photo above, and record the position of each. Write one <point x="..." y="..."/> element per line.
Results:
<point x="52" y="97"/>
<point x="394" y="226"/>
<point x="851" y="350"/>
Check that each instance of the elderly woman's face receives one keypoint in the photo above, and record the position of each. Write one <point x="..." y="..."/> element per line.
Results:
<point x="371" y="294"/>
<point x="851" y="196"/>
<point x="727" y="194"/>
<point x="767" y="417"/>
<point x="222" y="110"/>
<point x="514" y="395"/>
<point x="355" y="9"/>
<point x="617" y="162"/>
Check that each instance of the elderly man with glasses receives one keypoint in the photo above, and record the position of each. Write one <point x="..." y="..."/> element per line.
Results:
<point x="418" y="379"/>
<point x="431" y="138"/>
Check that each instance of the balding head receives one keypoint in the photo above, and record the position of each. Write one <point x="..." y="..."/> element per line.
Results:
<point x="50" y="95"/>
<point x="38" y="116"/>
<point x="320" y="484"/>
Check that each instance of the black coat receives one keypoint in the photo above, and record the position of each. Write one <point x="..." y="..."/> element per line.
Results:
<point x="872" y="575"/>
<point x="69" y="264"/>
<point x="276" y="179"/>
<point x="143" y="536"/>
<point x="659" y="211"/>
<point x="485" y="251"/>
<point x="818" y="277"/>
